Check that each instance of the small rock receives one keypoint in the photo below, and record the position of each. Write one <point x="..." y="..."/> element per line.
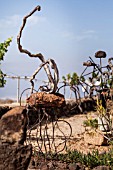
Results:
<point x="94" y="138"/>
<point x="13" y="126"/>
<point x="13" y="157"/>
<point x="76" y="166"/>
<point x="101" y="168"/>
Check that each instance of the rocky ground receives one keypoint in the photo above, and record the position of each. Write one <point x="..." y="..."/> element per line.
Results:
<point x="75" y="142"/>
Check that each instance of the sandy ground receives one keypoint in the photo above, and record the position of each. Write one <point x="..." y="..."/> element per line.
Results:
<point x="11" y="104"/>
<point x="74" y="142"/>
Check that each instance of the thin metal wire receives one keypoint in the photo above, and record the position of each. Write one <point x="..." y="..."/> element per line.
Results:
<point x="48" y="135"/>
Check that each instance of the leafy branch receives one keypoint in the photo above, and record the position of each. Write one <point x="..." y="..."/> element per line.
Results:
<point x="71" y="79"/>
<point x="3" y="50"/>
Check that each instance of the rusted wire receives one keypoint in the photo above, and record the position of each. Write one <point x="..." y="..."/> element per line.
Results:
<point x="46" y="135"/>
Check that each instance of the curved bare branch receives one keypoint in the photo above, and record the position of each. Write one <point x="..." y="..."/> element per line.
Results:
<point x="52" y="86"/>
<point x="39" y="55"/>
<point x="53" y="81"/>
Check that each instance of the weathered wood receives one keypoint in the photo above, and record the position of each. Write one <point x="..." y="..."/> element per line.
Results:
<point x="49" y="64"/>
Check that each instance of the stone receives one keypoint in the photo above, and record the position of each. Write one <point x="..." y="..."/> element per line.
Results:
<point x="3" y="110"/>
<point x="93" y="138"/>
<point x="76" y="166"/>
<point x="102" y="168"/>
<point x="13" y="157"/>
<point x="13" y="126"/>
<point x="46" y="100"/>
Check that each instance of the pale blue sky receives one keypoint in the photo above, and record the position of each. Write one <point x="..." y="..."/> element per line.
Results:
<point x="67" y="31"/>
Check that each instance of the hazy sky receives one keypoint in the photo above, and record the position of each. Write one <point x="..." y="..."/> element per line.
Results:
<point x="67" y="31"/>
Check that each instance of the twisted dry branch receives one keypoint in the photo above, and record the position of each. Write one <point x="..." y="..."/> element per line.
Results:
<point x="53" y="81"/>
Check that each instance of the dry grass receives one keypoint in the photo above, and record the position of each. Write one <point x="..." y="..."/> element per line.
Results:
<point x="6" y="101"/>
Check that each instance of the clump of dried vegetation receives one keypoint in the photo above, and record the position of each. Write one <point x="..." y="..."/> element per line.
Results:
<point x="6" y="101"/>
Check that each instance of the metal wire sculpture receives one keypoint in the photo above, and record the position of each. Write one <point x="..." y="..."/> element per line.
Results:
<point x="49" y="134"/>
<point x="46" y="133"/>
<point x="98" y="76"/>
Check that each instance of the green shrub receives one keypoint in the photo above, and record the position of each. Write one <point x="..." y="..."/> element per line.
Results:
<point x="3" y="50"/>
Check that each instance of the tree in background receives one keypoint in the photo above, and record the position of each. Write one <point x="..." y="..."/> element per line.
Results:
<point x="3" y="50"/>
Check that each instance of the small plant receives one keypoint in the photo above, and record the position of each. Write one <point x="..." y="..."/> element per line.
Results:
<point x="3" y="48"/>
<point x="93" y="123"/>
<point x="89" y="160"/>
<point x="105" y="122"/>
<point x="104" y="116"/>
<point x="101" y="111"/>
<point x="71" y="79"/>
<point x="2" y="80"/>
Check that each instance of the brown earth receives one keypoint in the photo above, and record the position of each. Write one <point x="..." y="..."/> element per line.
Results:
<point x="76" y="141"/>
